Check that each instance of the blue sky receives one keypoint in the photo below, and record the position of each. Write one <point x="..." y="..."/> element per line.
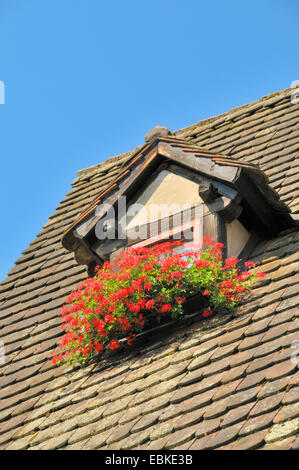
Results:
<point x="86" y="79"/>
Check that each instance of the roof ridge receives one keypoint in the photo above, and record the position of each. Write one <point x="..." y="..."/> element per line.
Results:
<point x="274" y="97"/>
<point x="109" y="162"/>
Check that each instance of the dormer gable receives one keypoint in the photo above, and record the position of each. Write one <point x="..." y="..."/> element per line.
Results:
<point x="171" y="189"/>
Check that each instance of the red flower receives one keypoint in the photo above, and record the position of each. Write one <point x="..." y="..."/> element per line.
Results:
<point x="219" y="245"/>
<point x="207" y="241"/>
<point x="201" y="263"/>
<point x="149" y="304"/>
<point x="165" y="308"/>
<point x="260" y="274"/>
<point x="148" y="285"/>
<point x="227" y="284"/>
<point x="130" y="339"/>
<point x="231" y="262"/>
<point x="113" y="345"/>
<point x="98" y="347"/>
<point x="249" y="264"/>
<point x="239" y="289"/>
<point x="207" y="313"/>
<point x="109" y="318"/>
<point x="111" y="305"/>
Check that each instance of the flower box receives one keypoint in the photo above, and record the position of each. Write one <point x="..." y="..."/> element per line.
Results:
<point x="195" y="303"/>
<point x="149" y="289"/>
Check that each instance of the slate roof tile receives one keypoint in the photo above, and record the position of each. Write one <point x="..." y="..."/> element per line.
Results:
<point x="250" y="442"/>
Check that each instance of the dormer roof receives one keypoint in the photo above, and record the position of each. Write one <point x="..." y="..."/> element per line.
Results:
<point x="268" y="212"/>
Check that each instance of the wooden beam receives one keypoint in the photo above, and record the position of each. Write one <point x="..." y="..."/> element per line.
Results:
<point x="202" y="165"/>
<point x="261" y="212"/>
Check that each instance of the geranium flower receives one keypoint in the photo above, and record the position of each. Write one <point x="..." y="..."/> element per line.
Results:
<point x="116" y="302"/>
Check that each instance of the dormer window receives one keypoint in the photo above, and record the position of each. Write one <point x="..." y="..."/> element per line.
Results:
<point x="172" y="190"/>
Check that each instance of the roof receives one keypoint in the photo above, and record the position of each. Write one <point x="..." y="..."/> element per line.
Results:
<point x="228" y="382"/>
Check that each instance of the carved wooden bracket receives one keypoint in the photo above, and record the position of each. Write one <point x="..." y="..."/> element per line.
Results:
<point x="208" y="192"/>
<point x="228" y="208"/>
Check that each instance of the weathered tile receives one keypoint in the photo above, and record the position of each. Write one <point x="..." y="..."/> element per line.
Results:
<point x="253" y="425"/>
<point x="287" y="412"/>
<point x="249" y="442"/>
<point x="282" y="430"/>
<point x="267" y="404"/>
